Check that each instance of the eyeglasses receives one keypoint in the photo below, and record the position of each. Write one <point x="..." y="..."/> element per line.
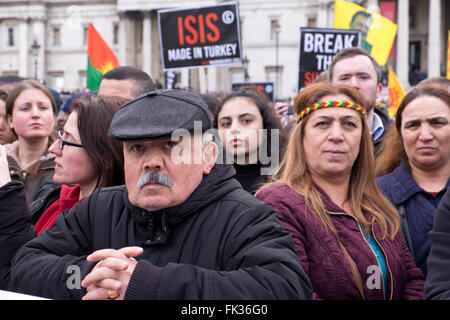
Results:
<point x="63" y="142"/>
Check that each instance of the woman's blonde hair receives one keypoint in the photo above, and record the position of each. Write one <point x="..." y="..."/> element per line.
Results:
<point x="392" y="151"/>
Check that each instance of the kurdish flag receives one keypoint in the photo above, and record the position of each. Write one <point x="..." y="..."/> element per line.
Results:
<point x="396" y="93"/>
<point x="101" y="58"/>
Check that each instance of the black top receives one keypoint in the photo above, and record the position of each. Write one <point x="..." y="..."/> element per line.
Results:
<point x="249" y="176"/>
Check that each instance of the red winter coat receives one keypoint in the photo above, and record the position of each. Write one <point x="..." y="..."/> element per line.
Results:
<point x="323" y="260"/>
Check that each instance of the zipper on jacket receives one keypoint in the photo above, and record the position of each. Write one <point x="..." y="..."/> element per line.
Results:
<point x="387" y="264"/>
<point x="384" y="254"/>
<point x="378" y="263"/>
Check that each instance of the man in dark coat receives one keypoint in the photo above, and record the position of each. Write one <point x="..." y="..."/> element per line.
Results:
<point x="181" y="228"/>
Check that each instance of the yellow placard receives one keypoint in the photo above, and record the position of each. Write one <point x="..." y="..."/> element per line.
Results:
<point x="396" y="93"/>
<point x="377" y="32"/>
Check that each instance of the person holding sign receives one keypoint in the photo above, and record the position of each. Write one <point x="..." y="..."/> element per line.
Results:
<point x="345" y="231"/>
<point x="358" y="69"/>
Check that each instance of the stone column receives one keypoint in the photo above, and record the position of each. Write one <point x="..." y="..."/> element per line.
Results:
<point x="403" y="43"/>
<point x="322" y="14"/>
<point x="211" y="78"/>
<point x="147" y="43"/>
<point x="185" y="78"/>
<point x="24" y="49"/>
<point x="123" y="43"/>
<point x="39" y="34"/>
<point x="434" y="39"/>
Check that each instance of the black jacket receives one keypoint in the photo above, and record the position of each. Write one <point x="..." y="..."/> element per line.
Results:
<point x="221" y="243"/>
<point x="437" y="284"/>
<point x="15" y="225"/>
<point x="17" y="220"/>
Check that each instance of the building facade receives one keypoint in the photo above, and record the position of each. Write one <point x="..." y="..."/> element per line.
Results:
<point x="57" y="31"/>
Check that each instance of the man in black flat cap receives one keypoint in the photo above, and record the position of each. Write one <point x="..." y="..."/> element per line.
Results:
<point x="181" y="228"/>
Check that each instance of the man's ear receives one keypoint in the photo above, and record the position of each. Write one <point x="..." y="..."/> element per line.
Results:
<point x="379" y="89"/>
<point x="210" y="153"/>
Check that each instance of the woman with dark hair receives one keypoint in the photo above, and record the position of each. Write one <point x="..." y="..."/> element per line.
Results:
<point x="345" y="231"/>
<point x="31" y="112"/>
<point x="252" y="135"/>
<point x="414" y="164"/>
<point x="86" y="159"/>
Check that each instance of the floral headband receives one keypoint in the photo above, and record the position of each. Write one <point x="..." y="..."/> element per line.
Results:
<point x="329" y="104"/>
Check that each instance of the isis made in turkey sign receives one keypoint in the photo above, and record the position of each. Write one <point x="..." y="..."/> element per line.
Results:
<point x="200" y="37"/>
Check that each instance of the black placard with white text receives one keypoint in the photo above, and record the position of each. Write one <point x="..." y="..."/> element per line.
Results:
<point x="317" y="48"/>
<point x="200" y="36"/>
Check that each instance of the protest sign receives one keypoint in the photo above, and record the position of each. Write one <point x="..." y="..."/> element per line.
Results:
<point x="317" y="48"/>
<point x="265" y="87"/>
<point x="378" y="32"/>
<point x="200" y="36"/>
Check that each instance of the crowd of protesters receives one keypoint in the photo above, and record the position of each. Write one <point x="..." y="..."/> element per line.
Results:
<point x="167" y="194"/>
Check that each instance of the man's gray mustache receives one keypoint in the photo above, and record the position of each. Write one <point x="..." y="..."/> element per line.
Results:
<point x="153" y="176"/>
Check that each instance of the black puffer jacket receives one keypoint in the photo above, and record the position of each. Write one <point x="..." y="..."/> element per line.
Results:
<point x="222" y="243"/>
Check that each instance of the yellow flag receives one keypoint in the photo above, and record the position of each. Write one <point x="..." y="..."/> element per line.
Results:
<point x="396" y="93"/>
<point x="377" y="32"/>
<point x="448" y="56"/>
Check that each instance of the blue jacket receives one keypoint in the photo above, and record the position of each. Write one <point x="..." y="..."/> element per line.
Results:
<point x="400" y="188"/>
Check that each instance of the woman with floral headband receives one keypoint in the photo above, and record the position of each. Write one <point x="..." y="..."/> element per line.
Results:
<point x="345" y="231"/>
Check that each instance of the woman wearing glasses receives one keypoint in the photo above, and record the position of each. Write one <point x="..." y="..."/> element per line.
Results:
<point x="85" y="160"/>
<point x="84" y="156"/>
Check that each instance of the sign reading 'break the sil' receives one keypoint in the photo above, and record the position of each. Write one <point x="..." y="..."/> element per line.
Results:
<point x="200" y="37"/>
<point x="317" y="48"/>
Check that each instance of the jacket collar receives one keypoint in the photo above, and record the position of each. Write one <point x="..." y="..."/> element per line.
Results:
<point x="404" y="186"/>
<point x="329" y="204"/>
<point x="46" y="160"/>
